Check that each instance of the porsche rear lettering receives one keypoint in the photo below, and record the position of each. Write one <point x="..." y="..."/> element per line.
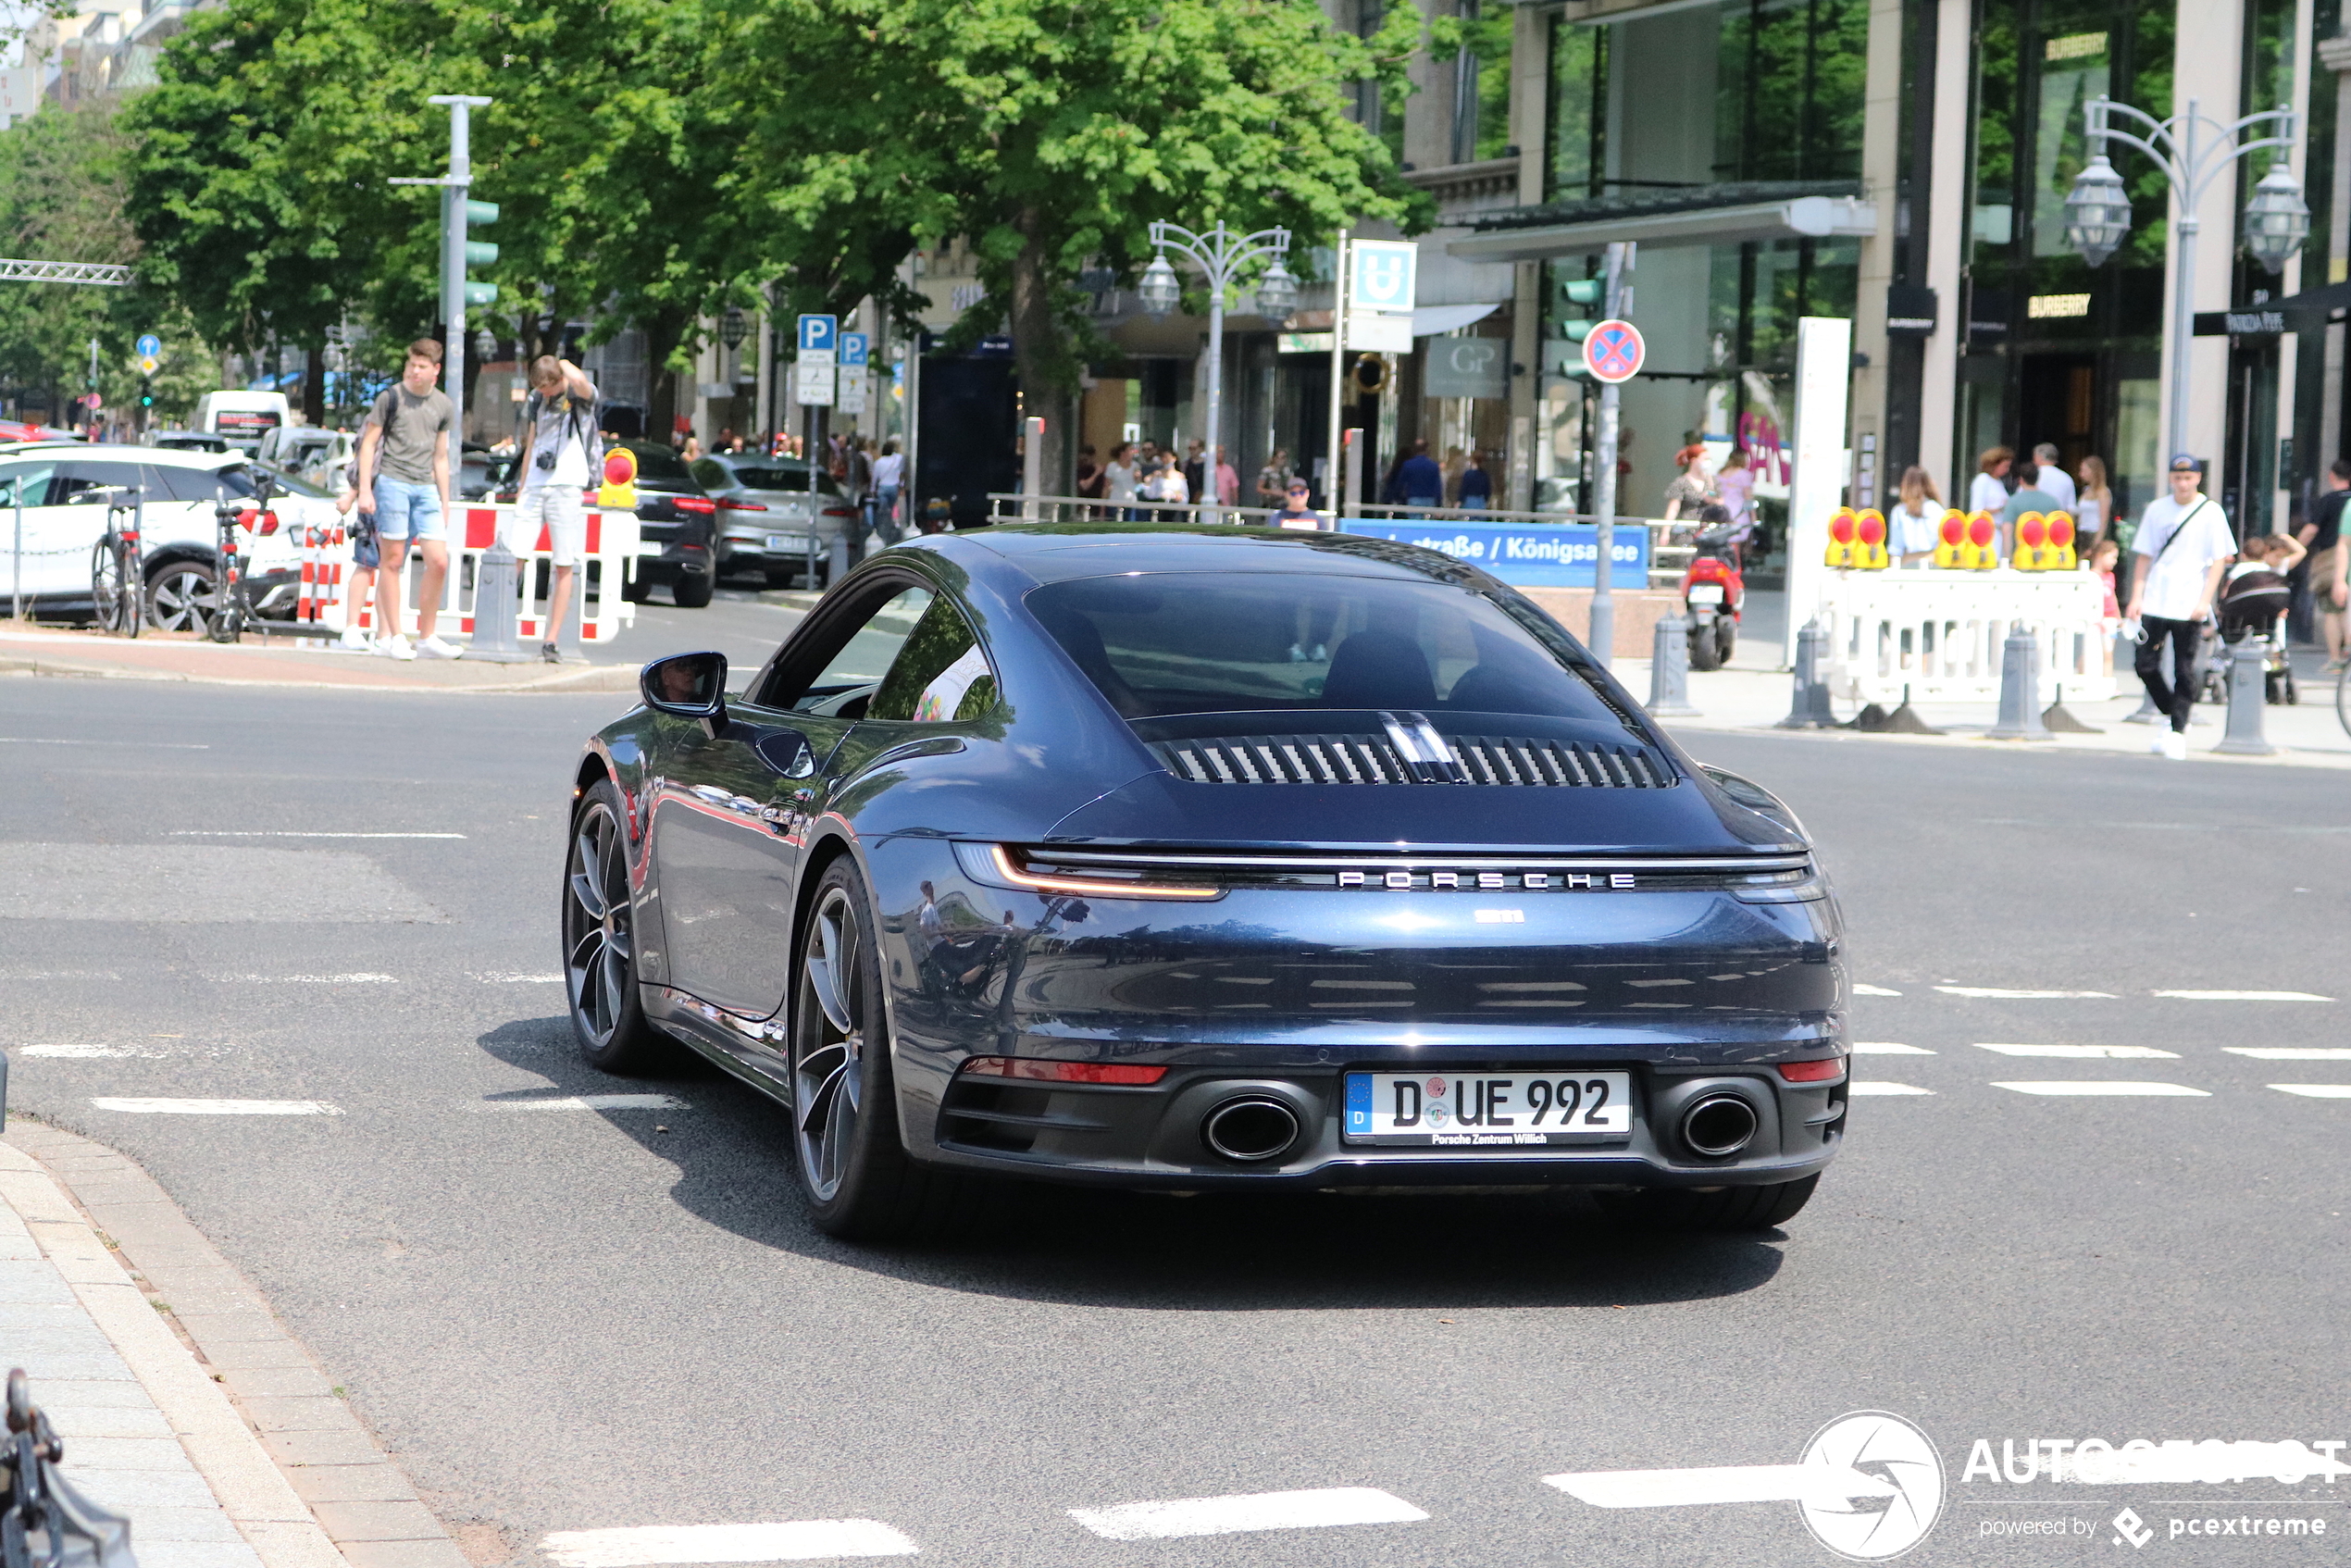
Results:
<point x="1462" y="881"/>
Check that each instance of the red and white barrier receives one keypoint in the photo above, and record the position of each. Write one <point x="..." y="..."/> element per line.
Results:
<point x="324" y="597"/>
<point x="1937" y="635"/>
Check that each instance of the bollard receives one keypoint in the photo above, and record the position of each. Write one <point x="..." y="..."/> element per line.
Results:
<point x="2060" y="719"/>
<point x="837" y="563"/>
<point x="1810" y="709"/>
<point x="495" y="609"/>
<point x="1670" y="669"/>
<point x="2248" y="699"/>
<point x="2019" y="690"/>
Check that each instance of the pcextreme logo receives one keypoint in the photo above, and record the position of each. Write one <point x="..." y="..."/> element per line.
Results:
<point x="1869" y="1485"/>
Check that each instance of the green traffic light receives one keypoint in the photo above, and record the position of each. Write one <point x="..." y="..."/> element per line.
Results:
<point x="1581" y="291"/>
<point x="481" y="293"/>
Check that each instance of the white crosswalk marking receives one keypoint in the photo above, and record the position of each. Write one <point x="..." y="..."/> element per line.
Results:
<point x="2002" y="992"/>
<point x="2244" y="996"/>
<point x="1873" y="990"/>
<point x="71" y="1052"/>
<point x="2292" y="1052"/>
<point x="1870" y="1086"/>
<point x="2316" y="1091"/>
<point x="590" y="1102"/>
<point x="221" y="1107"/>
<point x="800" y="1541"/>
<point x="2086" y="1052"/>
<point x="1888" y="1048"/>
<point x="2096" y="1087"/>
<point x="1260" y="1510"/>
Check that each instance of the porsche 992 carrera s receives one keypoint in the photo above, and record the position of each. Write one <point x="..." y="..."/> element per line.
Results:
<point x="1208" y="857"/>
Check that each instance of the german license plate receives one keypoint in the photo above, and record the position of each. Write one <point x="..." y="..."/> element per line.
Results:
<point x="1706" y="593"/>
<point x="778" y="541"/>
<point x="1488" y="1109"/>
<point x="647" y="547"/>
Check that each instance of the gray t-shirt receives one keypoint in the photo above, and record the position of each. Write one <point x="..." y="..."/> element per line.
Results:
<point x="406" y="450"/>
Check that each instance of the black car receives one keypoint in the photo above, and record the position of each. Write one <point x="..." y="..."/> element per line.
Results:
<point x="1198" y="858"/>
<point x="675" y="521"/>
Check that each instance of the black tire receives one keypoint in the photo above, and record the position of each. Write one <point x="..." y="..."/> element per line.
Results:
<point x="1704" y="651"/>
<point x="690" y="592"/>
<point x="599" y="937"/>
<point x="637" y="589"/>
<point x="1727" y="634"/>
<point x="185" y="596"/>
<point x="116" y="589"/>
<point x="1726" y="1208"/>
<point x="855" y="1170"/>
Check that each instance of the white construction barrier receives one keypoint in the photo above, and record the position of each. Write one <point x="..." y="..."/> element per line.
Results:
<point x="1938" y="633"/>
<point x="613" y="542"/>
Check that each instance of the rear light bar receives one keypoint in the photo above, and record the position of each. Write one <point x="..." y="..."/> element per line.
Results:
<point x="1061" y="1072"/>
<point x="1818" y="1072"/>
<point x="840" y="511"/>
<point x="742" y="506"/>
<point x="1002" y="865"/>
<point x="701" y="504"/>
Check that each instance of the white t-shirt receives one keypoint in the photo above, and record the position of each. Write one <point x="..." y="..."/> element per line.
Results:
<point x="2175" y="576"/>
<point x="1986" y="493"/>
<point x="1118" y="482"/>
<point x="2054" y="480"/>
<point x="2089" y="516"/>
<point x="1917" y="532"/>
<point x="888" y="469"/>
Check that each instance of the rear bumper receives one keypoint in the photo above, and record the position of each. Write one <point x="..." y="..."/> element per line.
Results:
<point x="1153" y="1138"/>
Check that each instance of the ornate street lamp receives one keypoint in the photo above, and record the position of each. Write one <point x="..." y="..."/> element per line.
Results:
<point x="732" y="328"/>
<point x="2276" y="221"/>
<point x="1276" y="292"/>
<point x="485" y="346"/>
<point x="2191" y="151"/>
<point x="1220" y="254"/>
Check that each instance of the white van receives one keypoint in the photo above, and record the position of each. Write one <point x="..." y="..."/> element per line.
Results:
<point x="242" y="417"/>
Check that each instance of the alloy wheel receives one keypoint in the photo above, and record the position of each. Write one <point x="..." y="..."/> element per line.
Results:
<point x="827" y="1061"/>
<point x="185" y="598"/>
<point x="599" y="949"/>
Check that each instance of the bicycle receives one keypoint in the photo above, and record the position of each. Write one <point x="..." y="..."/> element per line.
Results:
<point x="117" y="568"/>
<point x="233" y="599"/>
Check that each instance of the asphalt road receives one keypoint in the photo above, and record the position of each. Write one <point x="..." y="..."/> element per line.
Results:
<point x="740" y="621"/>
<point x="578" y="1320"/>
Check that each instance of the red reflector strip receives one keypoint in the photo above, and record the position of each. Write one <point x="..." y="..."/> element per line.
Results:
<point x="1061" y="1072"/>
<point x="694" y="504"/>
<point x="1814" y="1072"/>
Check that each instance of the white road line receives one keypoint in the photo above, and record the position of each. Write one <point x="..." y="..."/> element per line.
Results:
<point x="1998" y="991"/>
<point x="1887" y="1048"/>
<point x="282" y="833"/>
<point x="800" y="1541"/>
<point x="221" y="1107"/>
<point x="1873" y="990"/>
<point x="2105" y="1087"/>
<point x="2084" y="1052"/>
<point x="507" y="977"/>
<point x="590" y="1102"/>
<point x="362" y="979"/>
<point x="2316" y="1091"/>
<point x="71" y="1052"/>
<point x="2244" y="996"/>
<point x="2292" y="1052"/>
<point x="1260" y="1510"/>
<point x="1878" y="1086"/>
<point x="142" y="745"/>
<point x="1818" y="1484"/>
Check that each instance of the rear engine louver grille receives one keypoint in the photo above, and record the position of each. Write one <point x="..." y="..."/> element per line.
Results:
<point x="1369" y="759"/>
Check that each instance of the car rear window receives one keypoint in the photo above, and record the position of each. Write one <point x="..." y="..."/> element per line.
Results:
<point x="775" y="475"/>
<point x="659" y="462"/>
<point x="1181" y="642"/>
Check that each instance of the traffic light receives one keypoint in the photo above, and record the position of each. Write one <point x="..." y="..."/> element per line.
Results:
<point x="1578" y="295"/>
<point x="146" y="394"/>
<point x="480" y="252"/>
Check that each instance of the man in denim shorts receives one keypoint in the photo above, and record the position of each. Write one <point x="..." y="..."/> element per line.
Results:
<point x="561" y="452"/>
<point x="403" y="486"/>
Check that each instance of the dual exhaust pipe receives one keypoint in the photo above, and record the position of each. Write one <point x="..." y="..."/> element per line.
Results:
<point x="1253" y="1130"/>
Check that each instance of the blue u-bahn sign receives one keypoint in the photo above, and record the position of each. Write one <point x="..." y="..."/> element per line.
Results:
<point x="1524" y="555"/>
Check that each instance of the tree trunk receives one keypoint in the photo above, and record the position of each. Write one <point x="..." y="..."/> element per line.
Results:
<point x="313" y="386"/>
<point x="1039" y="349"/>
<point x="662" y="333"/>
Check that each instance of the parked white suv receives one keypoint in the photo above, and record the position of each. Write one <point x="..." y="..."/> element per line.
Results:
<point x="53" y="511"/>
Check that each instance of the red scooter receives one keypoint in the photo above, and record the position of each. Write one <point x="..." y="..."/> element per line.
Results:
<point x="1712" y="595"/>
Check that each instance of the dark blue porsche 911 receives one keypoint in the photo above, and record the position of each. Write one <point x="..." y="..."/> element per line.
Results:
<point x="1199" y="858"/>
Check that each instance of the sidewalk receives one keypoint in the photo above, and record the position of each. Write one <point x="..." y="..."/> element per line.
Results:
<point x="282" y="662"/>
<point x="156" y="1363"/>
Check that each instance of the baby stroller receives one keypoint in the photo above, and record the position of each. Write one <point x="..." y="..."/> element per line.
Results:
<point x="2253" y="604"/>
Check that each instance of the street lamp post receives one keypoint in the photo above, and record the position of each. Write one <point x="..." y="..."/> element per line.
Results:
<point x="1220" y="254"/>
<point x="2192" y="150"/>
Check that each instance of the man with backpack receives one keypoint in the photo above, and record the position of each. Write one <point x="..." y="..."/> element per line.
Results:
<point x="2183" y="545"/>
<point x="560" y="454"/>
<point x="404" y="491"/>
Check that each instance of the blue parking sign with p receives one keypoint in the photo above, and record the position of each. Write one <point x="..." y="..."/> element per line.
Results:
<point x="854" y="349"/>
<point x="818" y="333"/>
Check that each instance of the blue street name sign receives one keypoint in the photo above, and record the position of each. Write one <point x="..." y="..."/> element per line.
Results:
<point x="1524" y="555"/>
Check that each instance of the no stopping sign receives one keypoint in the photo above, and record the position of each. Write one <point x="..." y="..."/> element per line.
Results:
<point x="1612" y="351"/>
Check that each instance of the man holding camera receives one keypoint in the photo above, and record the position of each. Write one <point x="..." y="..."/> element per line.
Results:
<point x="560" y="453"/>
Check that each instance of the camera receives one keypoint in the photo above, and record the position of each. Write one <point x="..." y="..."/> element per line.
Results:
<point x="544" y="462"/>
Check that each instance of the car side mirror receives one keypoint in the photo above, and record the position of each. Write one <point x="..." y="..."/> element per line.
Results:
<point x="688" y="686"/>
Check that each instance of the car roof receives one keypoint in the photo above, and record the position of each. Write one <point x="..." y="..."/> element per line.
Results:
<point x="121" y="451"/>
<point x="1062" y="552"/>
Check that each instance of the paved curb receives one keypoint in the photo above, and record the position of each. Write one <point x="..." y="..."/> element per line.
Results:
<point x="299" y="1476"/>
<point x="594" y="678"/>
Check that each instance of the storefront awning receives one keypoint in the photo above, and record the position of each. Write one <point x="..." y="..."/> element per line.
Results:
<point x="1430" y="320"/>
<point x="1587" y="227"/>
